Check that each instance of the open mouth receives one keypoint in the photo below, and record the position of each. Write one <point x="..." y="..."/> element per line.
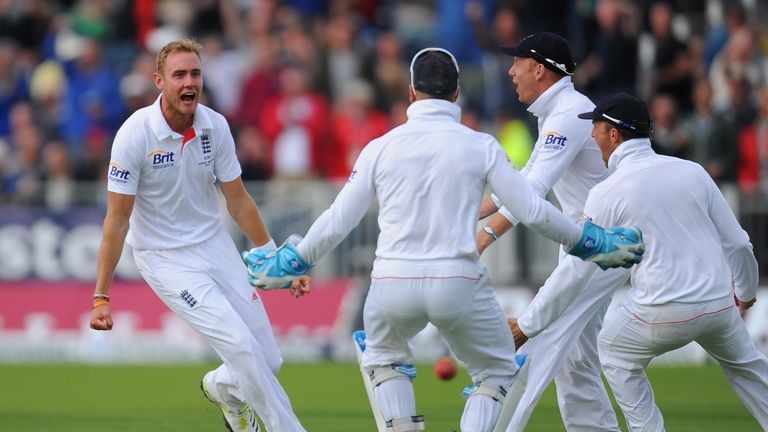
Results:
<point x="188" y="97"/>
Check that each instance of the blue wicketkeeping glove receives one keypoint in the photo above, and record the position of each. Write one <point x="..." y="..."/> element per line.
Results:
<point x="274" y="269"/>
<point x="610" y="247"/>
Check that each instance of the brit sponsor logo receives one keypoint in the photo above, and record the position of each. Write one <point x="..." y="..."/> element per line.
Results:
<point x="162" y="159"/>
<point x="117" y="173"/>
<point x="554" y="141"/>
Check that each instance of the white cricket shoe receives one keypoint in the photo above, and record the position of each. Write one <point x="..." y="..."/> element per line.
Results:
<point x="235" y="419"/>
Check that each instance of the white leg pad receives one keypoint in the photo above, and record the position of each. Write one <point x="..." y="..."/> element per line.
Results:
<point x="514" y="394"/>
<point x="396" y="392"/>
<point x="359" y="338"/>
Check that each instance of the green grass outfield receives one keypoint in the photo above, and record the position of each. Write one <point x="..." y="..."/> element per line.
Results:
<point x="328" y="397"/>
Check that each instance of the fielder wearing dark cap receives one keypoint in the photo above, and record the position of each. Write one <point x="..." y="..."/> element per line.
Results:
<point x="435" y="72"/>
<point x="567" y="162"/>
<point x="625" y="112"/>
<point x="617" y="119"/>
<point x="546" y="48"/>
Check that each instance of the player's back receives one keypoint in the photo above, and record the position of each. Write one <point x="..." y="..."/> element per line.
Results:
<point x="430" y="175"/>
<point x="671" y="200"/>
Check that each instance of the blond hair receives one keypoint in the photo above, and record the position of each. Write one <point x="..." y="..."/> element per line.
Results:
<point x="183" y="45"/>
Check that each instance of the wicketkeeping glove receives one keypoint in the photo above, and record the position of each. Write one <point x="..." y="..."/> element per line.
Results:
<point x="610" y="247"/>
<point x="274" y="269"/>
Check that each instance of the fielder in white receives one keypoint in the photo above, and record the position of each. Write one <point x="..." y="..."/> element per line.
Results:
<point x="567" y="161"/>
<point x="429" y="175"/>
<point x="697" y="275"/>
<point x="166" y="162"/>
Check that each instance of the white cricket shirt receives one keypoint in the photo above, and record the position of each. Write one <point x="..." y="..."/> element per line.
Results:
<point x="429" y="176"/>
<point x="174" y="181"/>
<point x="565" y="158"/>
<point x="696" y="251"/>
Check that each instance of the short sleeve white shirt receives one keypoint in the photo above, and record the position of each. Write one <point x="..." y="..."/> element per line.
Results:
<point x="173" y="178"/>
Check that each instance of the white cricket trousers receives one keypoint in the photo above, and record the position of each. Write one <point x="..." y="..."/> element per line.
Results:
<point x="455" y="296"/>
<point x="634" y="334"/>
<point x="206" y="284"/>
<point x="567" y="351"/>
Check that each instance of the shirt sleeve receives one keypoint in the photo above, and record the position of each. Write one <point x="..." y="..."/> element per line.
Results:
<point x="226" y="167"/>
<point x="524" y="203"/>
<point x="736" y="244"/>
<point x="345" y="213"/>
<point x="124" y="168"/>
<point x="560" y="141"/>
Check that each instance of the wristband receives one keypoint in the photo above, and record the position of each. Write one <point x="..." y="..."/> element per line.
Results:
<point x="100" y="302"/>
<point x="101" y="296"/>
<point x="490" y="232"/>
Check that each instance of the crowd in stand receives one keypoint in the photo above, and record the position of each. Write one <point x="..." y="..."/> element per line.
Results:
<point x="306" y="84"/>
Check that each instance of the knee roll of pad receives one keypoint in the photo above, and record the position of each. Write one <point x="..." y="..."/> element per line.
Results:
<point x="397" y="371"/>
<point x="494" y="391"/>
<point x="406" y="424"/>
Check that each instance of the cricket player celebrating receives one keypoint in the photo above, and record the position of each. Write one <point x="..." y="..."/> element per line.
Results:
<point x="429" y="176"/>
<point x="567" y="161"/>
<point x="166" y="161"/>
<point x="698" y="274"/>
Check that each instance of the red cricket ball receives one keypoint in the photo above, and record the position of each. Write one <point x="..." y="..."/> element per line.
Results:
<point x="446" y="368"/>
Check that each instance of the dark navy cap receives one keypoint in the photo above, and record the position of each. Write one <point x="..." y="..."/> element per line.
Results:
<point x="434" y="71"/>
<point x="623" y="111"/>
<point x="546" y="48"/>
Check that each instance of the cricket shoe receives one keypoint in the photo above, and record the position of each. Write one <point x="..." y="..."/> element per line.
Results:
<point x="235" y="419"/>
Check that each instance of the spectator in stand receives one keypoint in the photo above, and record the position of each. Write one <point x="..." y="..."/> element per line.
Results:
<point x="455" y="33"/>
<point x="355" y="122"/>
<point x="295" y="124"/>
<point x="667" y="138"/>
<point x="224" y="70"/>
<point x="672" y="66"/>
<point x="733" y="18"/>
<point x="611" y="64"/>
<point x="59" y="186"/>
<point x="14" y="84"/>
<point x="47" y="86"/>
<point x="253" y="154"/>
<point x="91" y="100"/>
<point x="709" y="137"/>
<point x="738" y="61"/>
<point x="136" y="87"/>
<point x="389" y="72"/>
<point x="753" y="144"/>
<point x="22" y="171"/>
<point x="498" y="93"/>
<point x="342" y="63"/>
<point x="261" y="83"/>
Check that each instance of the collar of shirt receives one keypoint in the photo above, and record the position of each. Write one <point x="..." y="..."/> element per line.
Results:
<point x="433" y="109"/>
<point x="633" y="149"/>
<point x="542" y="106"/>
<point x="161" y="128"/>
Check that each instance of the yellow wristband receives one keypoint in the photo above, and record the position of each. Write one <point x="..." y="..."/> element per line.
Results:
<point x="100" y="302"/>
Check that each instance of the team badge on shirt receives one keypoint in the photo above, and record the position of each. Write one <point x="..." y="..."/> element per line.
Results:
<point x="205" y="144"/>
<point x="554" y="141"/>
